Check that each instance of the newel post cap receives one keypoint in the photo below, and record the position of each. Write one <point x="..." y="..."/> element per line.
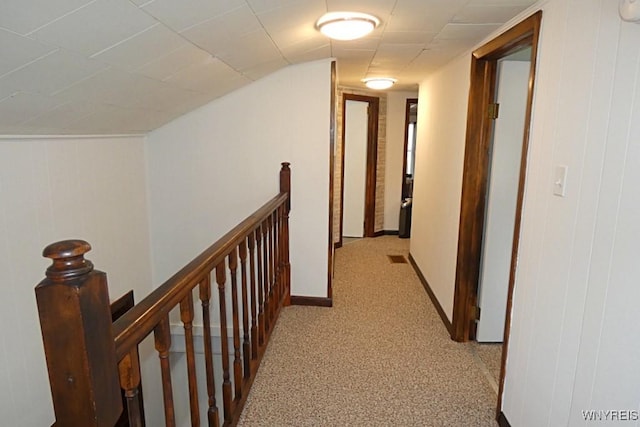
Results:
<point x="68" y="260"/>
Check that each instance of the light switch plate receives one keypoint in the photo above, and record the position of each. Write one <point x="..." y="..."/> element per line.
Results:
<point x="560" y="180"/>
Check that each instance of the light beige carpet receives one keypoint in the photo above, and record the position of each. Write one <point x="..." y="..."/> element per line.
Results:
<point x="380" y="357"/>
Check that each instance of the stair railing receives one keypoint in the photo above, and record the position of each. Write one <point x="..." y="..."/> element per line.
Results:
<point x="93" y="362"/>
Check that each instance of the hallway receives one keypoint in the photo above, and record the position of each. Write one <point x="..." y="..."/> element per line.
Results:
<point x="381" y="356"/>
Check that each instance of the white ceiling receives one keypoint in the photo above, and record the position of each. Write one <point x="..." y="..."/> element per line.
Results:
<point x="129" y="66"/>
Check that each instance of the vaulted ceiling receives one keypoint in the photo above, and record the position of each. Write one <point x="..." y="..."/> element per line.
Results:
<point x="130" y="66"/>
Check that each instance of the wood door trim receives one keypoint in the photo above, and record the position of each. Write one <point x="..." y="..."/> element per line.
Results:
<point x="475" y="176"/>
<point x="372" y="162"/>
<point x="332" y="161"/>
<point x="407" y="114"/>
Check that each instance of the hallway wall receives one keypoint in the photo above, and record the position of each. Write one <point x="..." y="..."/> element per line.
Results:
<point x="442" y="115"/>
<point x="214" y="166"/>
<point x="574" y="337"/>
<point x="53" y="189"/>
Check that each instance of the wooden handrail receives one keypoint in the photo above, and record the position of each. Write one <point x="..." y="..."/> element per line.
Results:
<point x="138" y="322"/>
<point x="91" y="358"/>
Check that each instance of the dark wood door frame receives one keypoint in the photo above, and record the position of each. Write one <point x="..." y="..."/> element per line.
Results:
<point x="407" y="115"/>
<point x="475" y="177"/>
<point x="372" y="162"/>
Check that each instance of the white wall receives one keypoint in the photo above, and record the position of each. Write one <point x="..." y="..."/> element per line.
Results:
<point x="214" y="166"/>
<point x="50" y="190"/>
<point x="442" y="109"/>
<point x="575" y="334"/>
<point x="574" y="342"/>
<point x="396" y="110"/>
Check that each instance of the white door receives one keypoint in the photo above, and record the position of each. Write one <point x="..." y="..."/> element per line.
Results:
<point x="355" y="167"/>
<point x="513" y="78"/>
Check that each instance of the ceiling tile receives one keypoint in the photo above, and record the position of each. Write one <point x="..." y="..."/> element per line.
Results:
<point x="204" y="77"/>
<point x="23" y="16"/>
<point x="428" y="16"/>
<point x="17" y="51"/>
<point x="293" y="15"/>
<point x="184" y="14"/>
<point x="378" y="8"/>
<point x="20" y="107"/>
<point x="310" y="55"/>
<point x="215" y="33"/>
<point x="359" y="54"/>
<point x="466" y="31"/>
<point x="502" y="2"/>
<point x="112" y="87"/>
<point x="62" y="116"/>
<point x="258" y="71"/>
<point x="49" y="74"/>
<point x="249" y="50"/>
<point x="165" y="66"/>
<point x="486" y="14"/>
<point x="262" y="6"/>
<point x="96" y="27"/>
<point x="151" y="44"/>
<point x="407" y="37"/>
<point x="121" y="120"/>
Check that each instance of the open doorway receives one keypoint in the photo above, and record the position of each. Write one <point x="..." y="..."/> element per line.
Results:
<point x="482" y="111"/>
<point x="359" y="164"/>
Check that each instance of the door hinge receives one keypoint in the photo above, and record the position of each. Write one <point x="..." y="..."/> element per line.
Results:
<point x="493" y="110"/>
<point x="476" y="313"/>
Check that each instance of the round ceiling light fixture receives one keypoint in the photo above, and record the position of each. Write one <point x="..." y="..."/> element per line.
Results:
<point x="379" y="83"/>
<point x="346" y="25"/>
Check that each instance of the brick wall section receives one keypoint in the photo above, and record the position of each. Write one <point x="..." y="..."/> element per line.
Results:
<point x="382" y="142"/>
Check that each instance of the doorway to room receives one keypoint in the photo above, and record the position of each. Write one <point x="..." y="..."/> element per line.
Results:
<point x="483" y="110"/>
<point x="359" y="164"/>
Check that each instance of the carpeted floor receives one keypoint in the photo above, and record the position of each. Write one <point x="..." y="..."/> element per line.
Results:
<point x="380" y="357"/>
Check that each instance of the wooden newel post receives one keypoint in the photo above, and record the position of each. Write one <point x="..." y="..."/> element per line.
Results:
<point x="285" y="182"/>
<point x="285" y="187"/>
<point x="75" y="319"/>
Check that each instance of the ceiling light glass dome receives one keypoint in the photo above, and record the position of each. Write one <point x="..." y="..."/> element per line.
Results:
<point x="346" y="25"/>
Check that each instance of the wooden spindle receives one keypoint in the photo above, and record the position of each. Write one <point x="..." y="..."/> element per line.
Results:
<point x="205" y="298"/>
<point x="186" y="315"/>
<point x="237" y="361"/>
<point x="221" y="278"/>
<point x="246" y="346"/>
<point x="265" y="279"/>
<point x="129" y="368"/>
<point x="75" y="320"/>
<point x="252" y="283"/>
<point x="280" y="255"/>
<point x="162" y="335"/>
<point x="261" y="328"/>
<point x="272" y="270"/>
<point x="276" y="254"/>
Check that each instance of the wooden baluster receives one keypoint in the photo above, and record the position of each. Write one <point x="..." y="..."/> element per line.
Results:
<point x="265" y="279"/>
<point x="237" y="362"/>
<point x="261" y="327"/>
<point x="75" y="319"/>
<point x="221" y="278"/>
<point x="129" y="368"/>
<point x="252" y="283"/>
<point x="272" y="270"/>
<point x="276" y="254"/>
<point x="186" y="315"/>
<point x="280" y="253"/>
<point x="162" y="335"/>
<point x="205" y="298"/>
<point x="246" y="346"/>
<point x="285" y="187"/>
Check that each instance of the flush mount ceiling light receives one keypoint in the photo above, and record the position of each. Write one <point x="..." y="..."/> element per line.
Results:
<point x="379" y="83"/>
<point x="346" y="25"/>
